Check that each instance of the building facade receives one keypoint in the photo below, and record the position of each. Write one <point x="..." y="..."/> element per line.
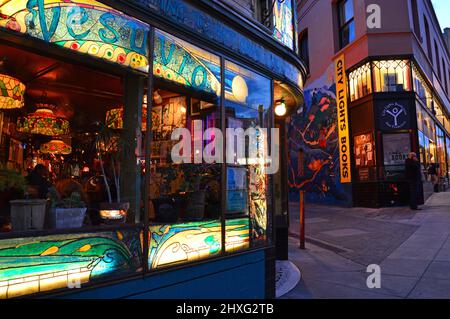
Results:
<point x="92" y="94"/>
<point x="397" y="84"/>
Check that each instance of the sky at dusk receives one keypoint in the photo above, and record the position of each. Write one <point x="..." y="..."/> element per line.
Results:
<point x="442" y="8"/>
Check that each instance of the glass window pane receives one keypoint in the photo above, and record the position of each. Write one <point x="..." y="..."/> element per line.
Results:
<point x="396" y="148"/>
<point x="346" y="11"/>
<point x="248" y="101"/>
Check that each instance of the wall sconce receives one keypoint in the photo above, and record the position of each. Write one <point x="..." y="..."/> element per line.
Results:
<point x="280" y="108"/>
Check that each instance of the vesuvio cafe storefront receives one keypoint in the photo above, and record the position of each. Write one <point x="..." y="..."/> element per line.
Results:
<point x="91" y="202"/>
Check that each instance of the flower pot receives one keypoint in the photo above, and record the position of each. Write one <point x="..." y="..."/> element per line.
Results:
<point x="112" y="213"/>
<point x="66" y="217"/>
<point x="28" y="214"/>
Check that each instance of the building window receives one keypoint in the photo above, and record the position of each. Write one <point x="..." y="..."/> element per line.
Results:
<point x="303" y="48"/>
<point x="346" y="22"/>
<point x="392" y="76"/>
<point x="444" y="74"/>
<point x="396" y="148"/>
<point x="416" y="21"/>
<point x="364" y="151"/>
<point x="428" y="36"/>
<point x="438" y="64"/>
<point x="360" y="82"/>
<point x="422" y="89"/>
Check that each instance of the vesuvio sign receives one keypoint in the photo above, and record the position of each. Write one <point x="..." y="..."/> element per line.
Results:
<point x="199" y="22"/>
<point x="88" y="27"/>
<point x="343" y="129"/>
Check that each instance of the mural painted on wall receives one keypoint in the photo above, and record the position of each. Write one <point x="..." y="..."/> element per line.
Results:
<point x="314" y="131"/>
<point x="85" y="26"/>
<point x="37" y="264"/>
<point x="186" y="242"/>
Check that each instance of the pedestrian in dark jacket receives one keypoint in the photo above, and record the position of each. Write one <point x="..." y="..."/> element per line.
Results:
<point x="413" y="176"/>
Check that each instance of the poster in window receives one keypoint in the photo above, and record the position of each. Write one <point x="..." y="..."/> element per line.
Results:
<point x="237" y="190"/>
<point x="364" y="150"/>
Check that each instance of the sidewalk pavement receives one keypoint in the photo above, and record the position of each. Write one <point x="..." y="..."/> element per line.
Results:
<point x="411" y="247"/>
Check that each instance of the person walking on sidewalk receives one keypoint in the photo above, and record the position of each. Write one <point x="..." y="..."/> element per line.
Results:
<point x="413" y="176"/>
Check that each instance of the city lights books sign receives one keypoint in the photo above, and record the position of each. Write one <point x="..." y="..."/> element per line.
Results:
<point x="343" y="129"/>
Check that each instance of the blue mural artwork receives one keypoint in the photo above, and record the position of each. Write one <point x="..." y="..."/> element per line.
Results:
<point x="314" y="131"/>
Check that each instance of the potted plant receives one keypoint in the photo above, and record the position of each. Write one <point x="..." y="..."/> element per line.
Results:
<point x="12" y="187"/>
<point x="67" y="212"/>
<point x="112" y="149"/>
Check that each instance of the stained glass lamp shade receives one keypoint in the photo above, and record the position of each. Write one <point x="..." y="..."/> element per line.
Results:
<point x="56" y="147"/>
<point x="44" y="122"/>
<point x="11" y="92"/>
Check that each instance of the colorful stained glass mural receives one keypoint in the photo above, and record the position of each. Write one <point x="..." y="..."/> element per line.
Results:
<point x="85" y="26"/>
<point x="237" y="234"/>
<point x="186" y="242"/>
<point x="178" y="61"/>
<point x="257" y="194"/>
<point x="32" y="265"/>
<point x="283" y="22"/>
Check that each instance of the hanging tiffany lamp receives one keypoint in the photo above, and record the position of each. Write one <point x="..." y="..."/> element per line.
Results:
<point x="44" y="122"/>
<point x="11" y="92"/>
<point x="56" y="147"/>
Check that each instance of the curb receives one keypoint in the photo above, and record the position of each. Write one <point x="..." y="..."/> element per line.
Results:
<point x="287" y="276"/>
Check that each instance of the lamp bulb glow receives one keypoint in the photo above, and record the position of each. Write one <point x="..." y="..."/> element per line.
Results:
<point x="280" y="109"/>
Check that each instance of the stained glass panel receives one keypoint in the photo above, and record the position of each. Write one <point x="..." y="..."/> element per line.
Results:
<point x="37" y="264"/>
<point x="283" y="23"/>
<point x="85" y="26"/>
<point x="178" y="61"/>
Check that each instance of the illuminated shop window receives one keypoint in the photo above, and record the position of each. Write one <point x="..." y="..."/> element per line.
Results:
<point x="392" y="76"/>
<point x="438" y="112"/>
<point x="396" y="149"/>
<point x="421" y="88"/>
<point x="247" y="103"/>
<point x="440" y="152"/>
<point x="447" y="143"/>
<point x="364" y="153"/>
<point x="360" y="82"/>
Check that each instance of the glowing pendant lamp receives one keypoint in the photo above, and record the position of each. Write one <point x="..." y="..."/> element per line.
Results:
<point x="44" y="122"/>
<point x="56" y="147"/>
<point x="11" y="92"/>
